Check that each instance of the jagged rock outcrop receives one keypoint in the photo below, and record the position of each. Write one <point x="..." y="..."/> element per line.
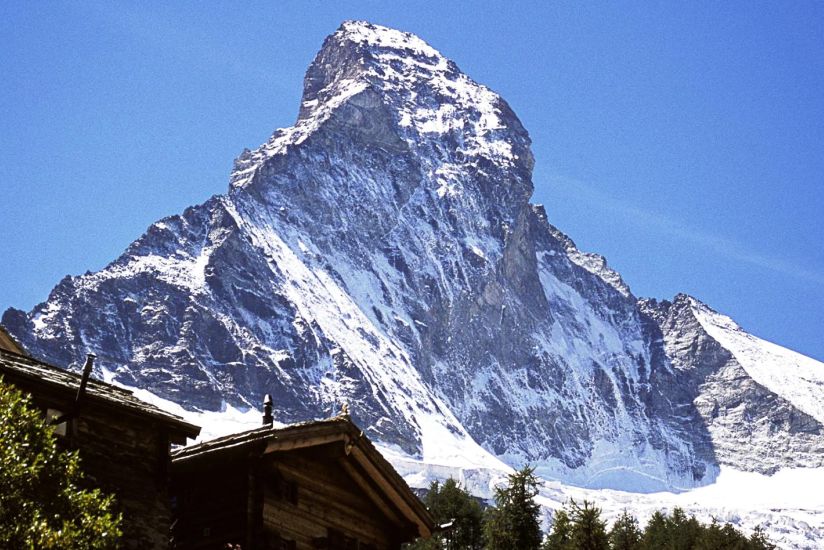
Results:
<point x="753" y="426"/>
<point x="383" y="252"/>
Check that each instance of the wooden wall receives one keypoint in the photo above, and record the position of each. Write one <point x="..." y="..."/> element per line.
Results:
<point x="210" y="505"/>
<point x="295" y="500"/>
<point x="310" y="499"/>
<point x="131" y="460"/>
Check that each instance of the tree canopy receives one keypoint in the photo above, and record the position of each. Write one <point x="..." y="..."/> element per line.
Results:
<point x="42" y="505"/>
<point x="579" y="527"/>
<point x="625" y="534"/>
<point x="449" y="503"/>
<point x="514" y="522"/>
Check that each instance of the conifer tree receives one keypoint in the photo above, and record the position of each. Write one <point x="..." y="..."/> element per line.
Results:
<point x="513" y="522"/>
<point x="759" y="540"/>
<point x="450" y="503"/>
<point x="560" y="535"/>
<point x="625" y="534"/>
<point x="655" y="533"/>
<point x="682" y="532"/>
<point x="589" y="531"/>
<point x="715" y="537"/>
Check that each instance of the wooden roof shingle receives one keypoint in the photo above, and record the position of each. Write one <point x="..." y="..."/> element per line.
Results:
<point x="36" y="374"/>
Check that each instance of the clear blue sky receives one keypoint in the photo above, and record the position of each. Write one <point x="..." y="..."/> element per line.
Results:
<point x="685" y="143"/>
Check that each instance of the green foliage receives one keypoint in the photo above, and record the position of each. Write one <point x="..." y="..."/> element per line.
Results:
<point x="560" y="536"/>
<point x="682" y="532"/>
<point x="514" y="524"/>
<point x="581" y="528"/>
<point x="759" y="540"/>
<point x="514" y="521"/>
<point x="716" y="536"/>
<point x="449" y="502"/>
<point x="41" y="505"/>
<point x="655" y="534"/>
<point x="679" y="532"/>
<point x="589" y="531"/>
<point x="577" y="527"/>
<point x="625" y="533"/>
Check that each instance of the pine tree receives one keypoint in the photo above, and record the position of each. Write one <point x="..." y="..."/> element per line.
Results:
<point x="717" y="537"/>
<point x="759" y="540"/>
<point x="449" y="502"/>
<point x="513" y="522"/>
<point x="589" y="531"/>
<point x="41" y="504"/>
<point x="625" y="534"/>
<point x="561" y="533"/>
<point x="655" y="535"/>
<point x="682" y="532"/>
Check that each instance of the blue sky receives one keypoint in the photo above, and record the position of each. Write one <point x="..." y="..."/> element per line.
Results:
<point x="683" y="142"/>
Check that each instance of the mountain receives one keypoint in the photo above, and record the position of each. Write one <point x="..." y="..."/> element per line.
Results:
<point x="383" y="252"/>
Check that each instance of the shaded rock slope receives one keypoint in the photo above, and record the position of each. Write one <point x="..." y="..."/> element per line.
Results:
<point x="383" y="252"/>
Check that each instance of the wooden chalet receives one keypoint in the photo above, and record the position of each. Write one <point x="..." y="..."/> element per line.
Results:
<point x="124" y="443"/>
<point x="315" y="485"/>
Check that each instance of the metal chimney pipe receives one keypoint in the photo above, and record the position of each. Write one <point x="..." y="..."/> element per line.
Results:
<point x="268" y="419"/>
<point x="81" y="391"/>
<point x="84" y="379"/>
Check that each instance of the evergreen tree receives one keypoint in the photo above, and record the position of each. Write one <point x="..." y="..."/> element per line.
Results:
<point x="449" y="502"/>
<point x="41" y="504"/>
<point x="513" y="522"/>
<point x="656" y="534"/>
<point x="759" y="540"/>
<point x="589" y="531"/>
<point x="718" y="537"/>
<point x="682" y="532"/>
<point x="561" y="533"/>
<point x="678" y="532"/>
<point x="625" y="534"/>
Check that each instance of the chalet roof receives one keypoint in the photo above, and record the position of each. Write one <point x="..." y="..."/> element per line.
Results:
<point x="37" y="374"/>
<point x="338" y="429"/>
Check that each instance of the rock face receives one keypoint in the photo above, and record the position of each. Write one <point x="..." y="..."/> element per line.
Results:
<point x="383" y="252"/>
<point x="760" y="403"/>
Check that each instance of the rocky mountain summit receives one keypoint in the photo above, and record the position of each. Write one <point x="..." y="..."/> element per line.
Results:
<point x="383" y="252"/>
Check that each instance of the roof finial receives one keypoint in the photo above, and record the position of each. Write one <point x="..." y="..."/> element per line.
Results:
<point x="268" y="419"/>
<point x="344" y="410"/>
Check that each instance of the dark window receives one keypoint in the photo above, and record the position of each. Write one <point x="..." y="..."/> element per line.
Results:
<point x="276" y="542"/>
<point x="283" y="489"/>
<point x="338" y="541"/>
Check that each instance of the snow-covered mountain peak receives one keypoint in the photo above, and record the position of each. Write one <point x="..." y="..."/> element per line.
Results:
<point x="376" y="37"/>
<point x="403" y="93"/>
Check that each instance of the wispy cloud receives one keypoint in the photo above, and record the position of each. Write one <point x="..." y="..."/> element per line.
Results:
<point x="197" y="47"/>
<point x="663" y="225"/>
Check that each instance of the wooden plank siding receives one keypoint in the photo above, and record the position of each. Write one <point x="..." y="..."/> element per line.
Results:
<point x="211" y="511"/>
<point x="326" y="500"/>
<point x="131" y="461"/>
